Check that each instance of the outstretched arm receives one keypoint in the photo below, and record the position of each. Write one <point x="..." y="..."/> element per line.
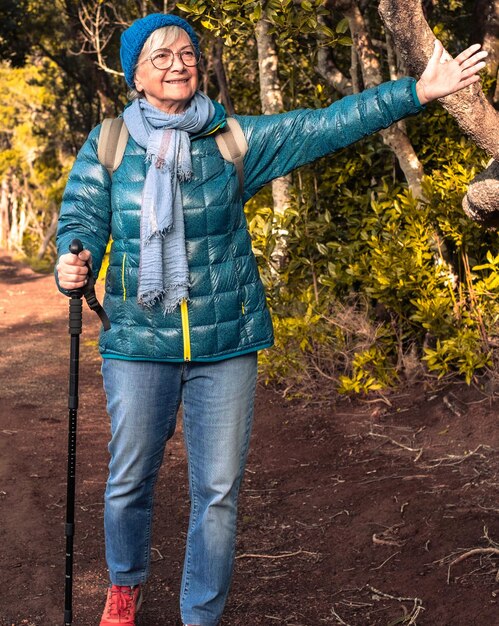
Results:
<point x="444" y="75"/>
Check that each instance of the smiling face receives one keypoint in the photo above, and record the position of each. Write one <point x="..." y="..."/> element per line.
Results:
<point x="170" y="90"/>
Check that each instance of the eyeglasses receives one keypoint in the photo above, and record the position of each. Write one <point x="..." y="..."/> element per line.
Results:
<point x="163" y="58"/>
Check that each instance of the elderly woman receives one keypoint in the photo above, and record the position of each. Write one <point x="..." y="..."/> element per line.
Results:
<point x="186" y="304"/>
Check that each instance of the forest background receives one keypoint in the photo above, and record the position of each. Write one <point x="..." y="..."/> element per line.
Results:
<point x="375" y="274"/>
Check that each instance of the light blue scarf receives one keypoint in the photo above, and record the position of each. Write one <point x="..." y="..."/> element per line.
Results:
<point x="163" y="271"/>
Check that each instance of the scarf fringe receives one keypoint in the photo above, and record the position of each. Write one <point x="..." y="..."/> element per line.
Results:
<point x="149" y="298"/>
<point x="153" y="297"/>
<point x="170" y="308"/>
<point x="159" y="233"/>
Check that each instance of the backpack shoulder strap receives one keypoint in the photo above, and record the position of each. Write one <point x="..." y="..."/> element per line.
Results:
<point x="233" y="146"/>
<point x="114" y="136"/>
<point x="112" y="143"/>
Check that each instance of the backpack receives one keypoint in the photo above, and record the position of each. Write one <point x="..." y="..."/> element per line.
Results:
<point x="114" y="136"/>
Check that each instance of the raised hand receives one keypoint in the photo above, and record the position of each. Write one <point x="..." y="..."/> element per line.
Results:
<point x="444" y="75"/>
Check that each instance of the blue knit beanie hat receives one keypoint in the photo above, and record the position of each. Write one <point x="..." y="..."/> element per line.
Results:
<point x="135" y="36"/>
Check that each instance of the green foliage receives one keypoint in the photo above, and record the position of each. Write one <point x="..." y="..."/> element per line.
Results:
<point x="372" y="371"/>
<point x="462" y="352"/>
<point x="32" y="134"/>
<point x="378" y="288"/>
<point x="13" y="46"/>
<point x="233" y="21"/>
<point x="354" y="237"/>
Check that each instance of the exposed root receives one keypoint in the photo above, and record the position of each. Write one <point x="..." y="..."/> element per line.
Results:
<point x="491" y="550"/>
<point x="344" y="512"/>
<point x="285" y="555"/>
<point x="472" y="552"/>
<point x="454" y="405"/>
<point x="386" y="542"/>
<point x="419" y="451"/>
<point x="338" y="618"/>
<point x="454" y="459"/>
<point x="385" y="561"/>
<point x="409" y="620"/>
<point x="160" y="557"/>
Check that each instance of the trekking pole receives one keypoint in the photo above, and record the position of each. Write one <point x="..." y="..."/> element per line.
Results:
<point x="75" y="329"/>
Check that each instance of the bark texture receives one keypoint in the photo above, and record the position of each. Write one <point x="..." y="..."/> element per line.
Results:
<point x="221" y="76"/>
<point x="481" y="203"/>
<point x="395" y="137"/>
<point x="486" y="16"/>
<point x="413" y="36"/>
<point x="476" y="117"/>
<point x="271" y="100"/>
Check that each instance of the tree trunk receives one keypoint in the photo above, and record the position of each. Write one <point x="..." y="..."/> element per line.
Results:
<point x="395" y="137"/>
<point x="271" y="99"/>
<point x="326" y="67"/>
<point x="486" y="16"/>
<point x="13" y="234"/>
<point x="4" y="213"/>
<point x="474" y="114"/>
<point x="18" y="219"/>
<point x="221" y="76"/>
<point x="413" y="36"/>
<point x="50" y="232"/>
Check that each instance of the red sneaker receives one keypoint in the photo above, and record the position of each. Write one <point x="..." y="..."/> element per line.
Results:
<point x="122" y="604"/>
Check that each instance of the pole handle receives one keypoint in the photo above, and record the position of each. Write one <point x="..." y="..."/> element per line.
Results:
<point x="75" y="247"/>
<point x="88" y="291"/>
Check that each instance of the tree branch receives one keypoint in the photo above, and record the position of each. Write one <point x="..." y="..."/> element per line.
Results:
<point x="395" y="137"/>
<point x="414" y="38"/>
<point x="221" y="76"/>
<point x="272" y="102"/>
<point x="326" y="67"/>
<point x="470" y="108"/>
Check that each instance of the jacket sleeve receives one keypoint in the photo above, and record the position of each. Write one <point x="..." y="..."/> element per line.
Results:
<point x="278" y="144"/>
<point x="86" y="204"/>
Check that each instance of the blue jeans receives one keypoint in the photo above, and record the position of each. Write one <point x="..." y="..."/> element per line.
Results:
<point x="142" y="400"/>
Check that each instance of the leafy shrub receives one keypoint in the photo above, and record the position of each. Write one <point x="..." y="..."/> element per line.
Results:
<point x="420" y="275"/>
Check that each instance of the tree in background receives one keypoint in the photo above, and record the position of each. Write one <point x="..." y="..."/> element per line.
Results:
<point x="471" y="108"/>
<point x="32" y="159"/>
<point x="381" y="277"/>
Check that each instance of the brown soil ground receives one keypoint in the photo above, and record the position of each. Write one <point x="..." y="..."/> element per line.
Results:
<point x="351" y="513"/>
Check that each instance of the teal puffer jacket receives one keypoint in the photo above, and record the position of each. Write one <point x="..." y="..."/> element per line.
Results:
<point x="226" y="314"/>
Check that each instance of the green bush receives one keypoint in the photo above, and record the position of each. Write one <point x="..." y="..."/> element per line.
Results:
<point x="419" y="275"/>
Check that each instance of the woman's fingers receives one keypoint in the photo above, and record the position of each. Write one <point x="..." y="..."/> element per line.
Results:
<point x="466" y="54"/>
<point x="475" y="63"/>
<point x="472" y="72"/>
<point x="471" y="60"/>
<point x="471" y="65"/>
<point x="72" y="269"/>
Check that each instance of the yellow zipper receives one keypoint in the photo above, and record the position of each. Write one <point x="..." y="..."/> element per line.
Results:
<point x="123" y="281"/>
<point x="185" y="330"/>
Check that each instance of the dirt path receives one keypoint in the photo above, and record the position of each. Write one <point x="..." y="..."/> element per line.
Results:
<point x="346" y="513"/>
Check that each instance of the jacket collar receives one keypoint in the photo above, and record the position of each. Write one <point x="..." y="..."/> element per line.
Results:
<point x="219" y="120"/>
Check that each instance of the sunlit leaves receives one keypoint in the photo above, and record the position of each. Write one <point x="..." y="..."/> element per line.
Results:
<point x="235" y="21"/>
